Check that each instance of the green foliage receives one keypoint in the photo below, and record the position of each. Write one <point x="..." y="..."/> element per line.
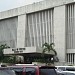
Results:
<point x="2" y="47"/>
<point x="9" y="59"/>
<point x="48" y="47"/>
<point x="42" y="60"/>
<point x="6" y="59"/>
<point x="70" y="65"/>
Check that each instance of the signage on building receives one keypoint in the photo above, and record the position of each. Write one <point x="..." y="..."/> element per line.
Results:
<point x="18" y="50"/>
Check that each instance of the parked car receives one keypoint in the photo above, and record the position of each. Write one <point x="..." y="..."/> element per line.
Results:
<point x="66" y="68"/>
<point x="28" y="70"/>
<point x="66" y="73"/>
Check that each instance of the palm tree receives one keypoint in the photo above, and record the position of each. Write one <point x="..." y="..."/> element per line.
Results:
<point x="48" y="47"/>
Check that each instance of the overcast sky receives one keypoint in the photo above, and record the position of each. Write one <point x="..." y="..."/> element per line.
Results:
<point x="9" y="4"/>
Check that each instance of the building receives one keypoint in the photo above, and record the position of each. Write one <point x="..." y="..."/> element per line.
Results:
<point x="47" y="21"/>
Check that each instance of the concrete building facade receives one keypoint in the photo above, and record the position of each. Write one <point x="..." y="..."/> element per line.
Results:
<point x="46" y="21"/>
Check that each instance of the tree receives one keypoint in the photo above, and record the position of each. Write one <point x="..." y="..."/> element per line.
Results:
<point x="8" y="59"/>
<point x="48" y="48"/>
<point x="2" y="47"/>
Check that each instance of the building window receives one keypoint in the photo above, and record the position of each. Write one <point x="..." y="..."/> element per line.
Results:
<point x="70" y="58"/>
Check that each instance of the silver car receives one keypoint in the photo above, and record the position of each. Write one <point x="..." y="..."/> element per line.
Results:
<point x="66" y="73"/>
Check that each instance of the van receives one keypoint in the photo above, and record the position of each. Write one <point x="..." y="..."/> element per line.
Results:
<point x="28" y="70"/>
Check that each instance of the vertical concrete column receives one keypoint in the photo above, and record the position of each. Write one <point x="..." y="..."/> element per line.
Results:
<point x="74" y="58"/>
<point x="21" y="30"/>
<point x="59" y="32"/>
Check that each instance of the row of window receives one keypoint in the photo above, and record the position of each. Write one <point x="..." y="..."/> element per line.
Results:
<point x="70" y="58"/>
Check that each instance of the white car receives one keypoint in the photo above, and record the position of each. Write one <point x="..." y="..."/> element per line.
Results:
<point x="66" y="68"/>
<point x="66" y="73"/>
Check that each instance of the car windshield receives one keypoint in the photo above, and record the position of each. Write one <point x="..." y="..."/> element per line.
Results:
<point x="7" y="72"/>
<point x="47" y="72"/>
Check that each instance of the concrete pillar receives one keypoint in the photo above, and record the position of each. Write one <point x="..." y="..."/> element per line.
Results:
<point x="59" y="32"/>
<point x="74" y="59"/>
<point x="21" y="30"/>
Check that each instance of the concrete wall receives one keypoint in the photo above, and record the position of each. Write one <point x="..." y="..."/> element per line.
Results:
<point x="70" y="50"/>
<point x="46" y="4"/>
<point x="8" y="31"/>
<point x="21" y="30"/>
<point x="59" y="31"/>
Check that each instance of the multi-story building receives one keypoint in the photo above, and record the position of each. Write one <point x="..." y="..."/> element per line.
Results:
<point x="47" y="21"/>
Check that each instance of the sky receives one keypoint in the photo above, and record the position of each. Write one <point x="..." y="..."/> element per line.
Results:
<point x="10" y="4"/>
